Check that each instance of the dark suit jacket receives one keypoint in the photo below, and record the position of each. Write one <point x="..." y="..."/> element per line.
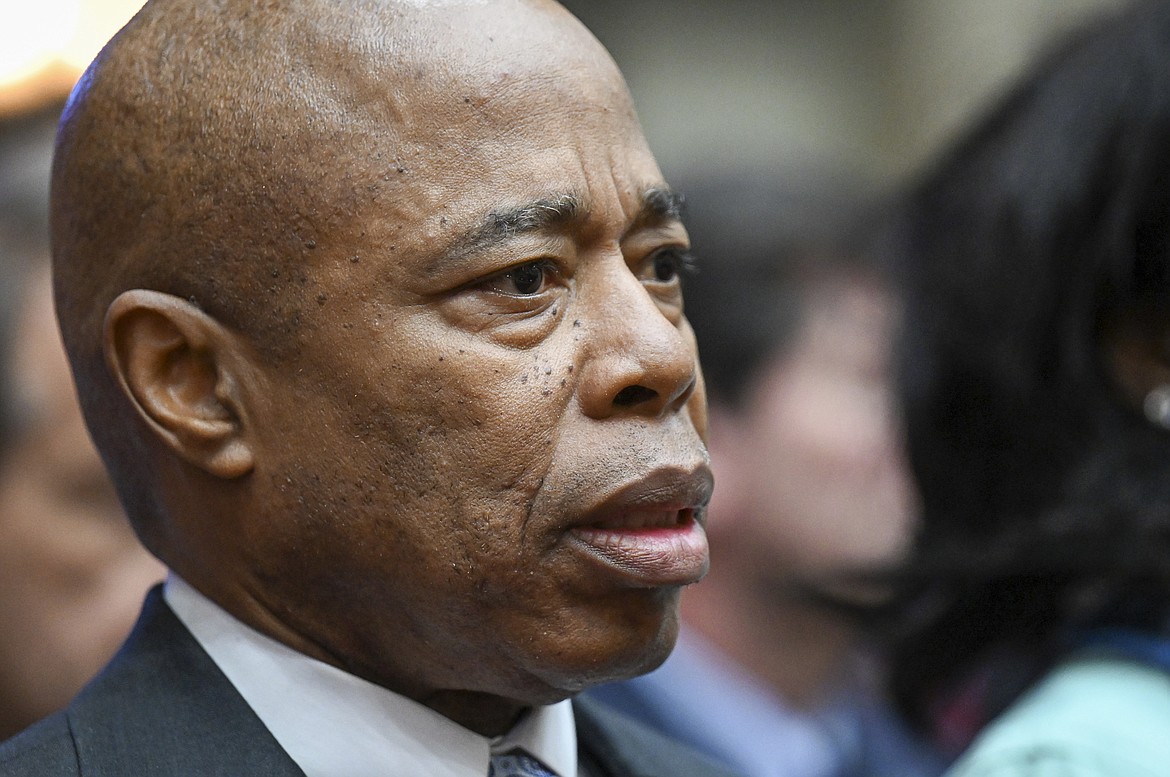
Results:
<point x="162" y="708"/>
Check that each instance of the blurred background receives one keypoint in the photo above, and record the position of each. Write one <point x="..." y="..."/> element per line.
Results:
<point x="779" y="112"/>
<point x="44" y="46"/>
<point x="866" y="88"/>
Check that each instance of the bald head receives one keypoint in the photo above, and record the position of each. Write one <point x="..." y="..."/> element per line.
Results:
<point x="213" y="151"/>
<point x="227" y="139"/>
<point x="375" y="311"/>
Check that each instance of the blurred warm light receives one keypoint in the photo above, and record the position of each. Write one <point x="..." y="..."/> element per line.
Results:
<point x="46" y="44"/>
<point x="31" y="36"/>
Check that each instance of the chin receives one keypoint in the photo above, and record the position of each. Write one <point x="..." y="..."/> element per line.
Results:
<point x="613" y="654"/>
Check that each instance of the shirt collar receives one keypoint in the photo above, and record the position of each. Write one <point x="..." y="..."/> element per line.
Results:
<point x="334" y="724"/>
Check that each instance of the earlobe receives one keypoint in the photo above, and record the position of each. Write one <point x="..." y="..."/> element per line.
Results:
<point x="178" y="366"/>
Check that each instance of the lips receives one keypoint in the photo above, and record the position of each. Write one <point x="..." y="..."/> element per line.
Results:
<point x="649" y="532"/>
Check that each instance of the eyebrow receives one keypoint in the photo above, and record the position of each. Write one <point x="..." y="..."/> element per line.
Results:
<point x="547" y="214"/>
<point x="660" y="204"/>
<point x="554" y="213"/>
<point x="551" y="213"/>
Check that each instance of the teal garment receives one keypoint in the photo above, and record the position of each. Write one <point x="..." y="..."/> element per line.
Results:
<point x="1092" y="716"/>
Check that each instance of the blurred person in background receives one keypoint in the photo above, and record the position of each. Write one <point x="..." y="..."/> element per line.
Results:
<point x="794" y="331"/>
<point x="1036" y="376"/>
<point x="72" y="574"/>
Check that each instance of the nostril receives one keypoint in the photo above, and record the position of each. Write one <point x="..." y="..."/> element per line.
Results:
<point x="634" y="395"/>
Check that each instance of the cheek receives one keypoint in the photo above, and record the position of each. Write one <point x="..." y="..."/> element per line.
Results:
<point x="439" y="461"/>
<point x="471" y="426"/>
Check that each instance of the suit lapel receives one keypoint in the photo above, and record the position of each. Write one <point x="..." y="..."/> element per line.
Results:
<point x="163" y="709"/>
<point x="603" y="750"/>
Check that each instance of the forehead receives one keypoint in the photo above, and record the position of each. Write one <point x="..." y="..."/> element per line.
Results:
<point x="419" y="66"/>
<point x="496" y="130"/>
<point x="483" y="85"/>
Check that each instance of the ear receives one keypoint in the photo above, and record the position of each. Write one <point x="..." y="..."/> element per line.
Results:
<point x="180" y="368"/>
<point x="1136" y="349"/>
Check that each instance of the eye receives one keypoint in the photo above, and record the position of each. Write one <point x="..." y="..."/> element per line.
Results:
<point x="668" y="264"/>
<point x="525" y="280"/>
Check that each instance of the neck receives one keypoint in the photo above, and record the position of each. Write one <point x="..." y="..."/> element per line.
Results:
<point x="486" y="714"/>
<point x="482" y="713"/>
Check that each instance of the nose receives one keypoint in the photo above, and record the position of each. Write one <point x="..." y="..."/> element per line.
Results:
<point x="638" y="361"/>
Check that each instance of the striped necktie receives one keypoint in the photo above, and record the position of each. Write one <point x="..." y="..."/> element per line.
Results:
<point x="517" y="764"/>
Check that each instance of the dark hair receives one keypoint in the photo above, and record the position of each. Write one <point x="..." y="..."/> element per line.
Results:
<point x="760" y="242"/>
<point x="1046" y="495"/>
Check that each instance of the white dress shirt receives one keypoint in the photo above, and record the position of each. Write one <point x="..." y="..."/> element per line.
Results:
<point x="333" y="724"/>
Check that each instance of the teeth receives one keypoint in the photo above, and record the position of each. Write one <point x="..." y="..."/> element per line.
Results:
<point x="644" y="519"/>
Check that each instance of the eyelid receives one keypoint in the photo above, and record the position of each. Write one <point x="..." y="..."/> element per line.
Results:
<point x="687" y="263"/>
<point x="547" y="264"/>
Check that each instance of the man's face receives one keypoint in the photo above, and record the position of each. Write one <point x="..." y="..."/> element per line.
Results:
<point x="487" y="456"/>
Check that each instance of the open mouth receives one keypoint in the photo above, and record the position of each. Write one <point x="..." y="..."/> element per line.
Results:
<point x="646" y="519"/>
<point x="648" y="547"/>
